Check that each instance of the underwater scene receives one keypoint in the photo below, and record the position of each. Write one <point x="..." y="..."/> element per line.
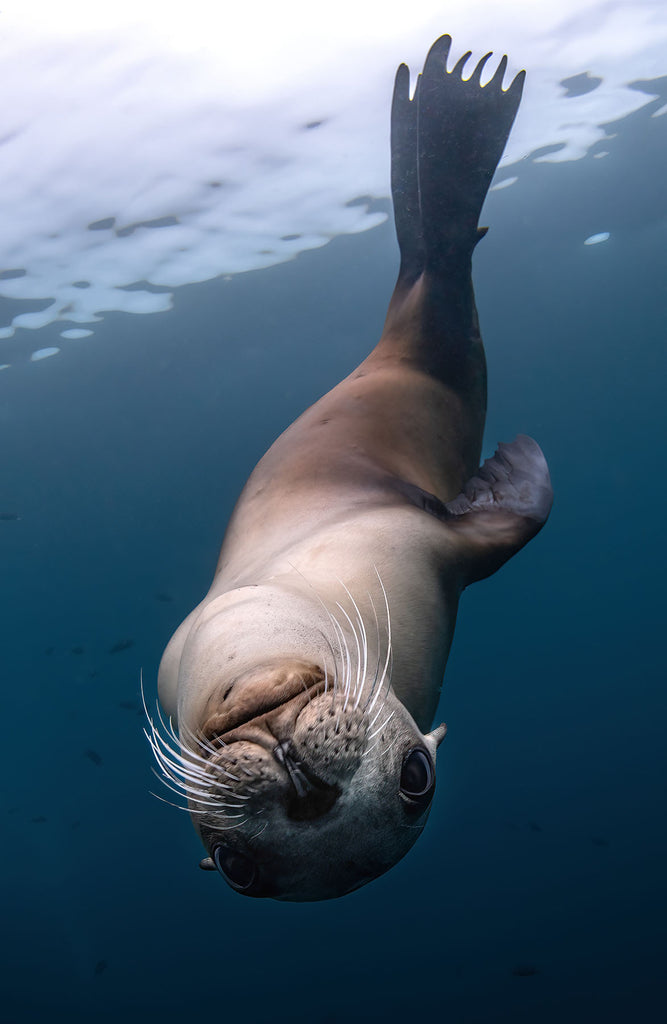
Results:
<point x="198" y="243"/>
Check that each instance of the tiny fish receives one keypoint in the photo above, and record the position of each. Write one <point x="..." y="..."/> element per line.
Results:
<point x="122" y="645"/>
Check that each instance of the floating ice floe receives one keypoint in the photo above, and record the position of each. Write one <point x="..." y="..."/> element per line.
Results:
<point x="43" y="353"/>
<point x="602" y="236"/>
<point x="75" y="333"/>
<point x="151" y="145"/>
<point x="505" y="183"/>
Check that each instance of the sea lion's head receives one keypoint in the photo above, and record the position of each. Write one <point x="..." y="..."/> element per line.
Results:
<point x="304" y="785"/>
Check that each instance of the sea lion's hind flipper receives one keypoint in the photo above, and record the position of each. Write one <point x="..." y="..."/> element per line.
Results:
<point x="462" y="129"/>
<point x="445" y="146"/>
<point x="502" y="507"/>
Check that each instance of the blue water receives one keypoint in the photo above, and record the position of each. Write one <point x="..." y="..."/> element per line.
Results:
<point x="537" y="893"/>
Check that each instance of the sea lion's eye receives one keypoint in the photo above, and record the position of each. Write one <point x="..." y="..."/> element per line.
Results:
<point x="236" y="868"/>
<point x="417" y="775"/>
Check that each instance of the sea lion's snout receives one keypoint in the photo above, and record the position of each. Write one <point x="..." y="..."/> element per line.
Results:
<point x="326" y="808"/>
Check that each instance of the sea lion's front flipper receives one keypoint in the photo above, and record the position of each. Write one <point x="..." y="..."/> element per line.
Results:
<point x="502" y="507"/>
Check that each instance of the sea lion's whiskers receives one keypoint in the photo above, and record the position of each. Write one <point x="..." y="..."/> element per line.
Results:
<point x="168" y="729"/>
<point x="163" y="746"/>
<point x="218" y="767"/>
<point x="173" y="771"/>
<point x="361" y="673"/>
<point x="212" y="752"/>
<point x="334" y="684"/>
<point x="191" y="781"/>
<point x="257" y="834"/>
<point x="348" y="681"/>
<point x="240" y="815"/>
<point x="238" y="824"/>
<point x="183" y="769"/>
<point x="328" y="644"/>
<point x="210" y="796"/>
<point x="184" y="789"/>
<point x="178" y="807"/>
<point x="346" y="665"/>
<point x="379" y="729"/>
<point x="176" y="760"/>
<point x="348" y="662"/>
<point x="177" y="775"/>
<point x="377" y="657"/>
<point x="186" y="774"/>
<point x="339" y="682"/>
<point x="167" y="765"/>
<point x="386" y="749"/>
<point x="353" y="690"/>
<point x="228" y="828"/>
<point x="388" y="659"/>
<point x="186" y="733"/>
<point x="393" y="742"/>
<point x="199" y="764"/>
<point x="143" y="695"/>
<point x="362" y="670"/>
<point x="198" y="742"/>
<point x="231" y="807"/>
<point x="207" y="762"/>
<point x="180" y="790"/>
<point x="382" y="703"/>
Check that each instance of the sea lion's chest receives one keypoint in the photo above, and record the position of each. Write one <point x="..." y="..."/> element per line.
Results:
<point x="349" y="564"/>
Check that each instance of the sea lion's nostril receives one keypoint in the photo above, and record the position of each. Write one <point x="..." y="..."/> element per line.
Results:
<point x="300" y="782"/>
<point x="310" y="797"/>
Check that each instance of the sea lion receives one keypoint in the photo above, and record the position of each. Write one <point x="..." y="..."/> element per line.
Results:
<point x="304" y="684"/>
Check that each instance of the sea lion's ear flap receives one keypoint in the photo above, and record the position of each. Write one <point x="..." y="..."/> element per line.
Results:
<point x="501" y="508"/>
<point x="435" y="738"/>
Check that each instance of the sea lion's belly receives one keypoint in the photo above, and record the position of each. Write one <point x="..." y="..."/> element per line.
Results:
<point x="384" y="426"/>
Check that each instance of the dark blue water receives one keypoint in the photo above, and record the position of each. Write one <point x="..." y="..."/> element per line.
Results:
<point x="537" y="893"/>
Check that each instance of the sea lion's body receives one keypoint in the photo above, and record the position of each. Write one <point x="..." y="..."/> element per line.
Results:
<point x="336" y="591"/>
<point x="329" y="501"/>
